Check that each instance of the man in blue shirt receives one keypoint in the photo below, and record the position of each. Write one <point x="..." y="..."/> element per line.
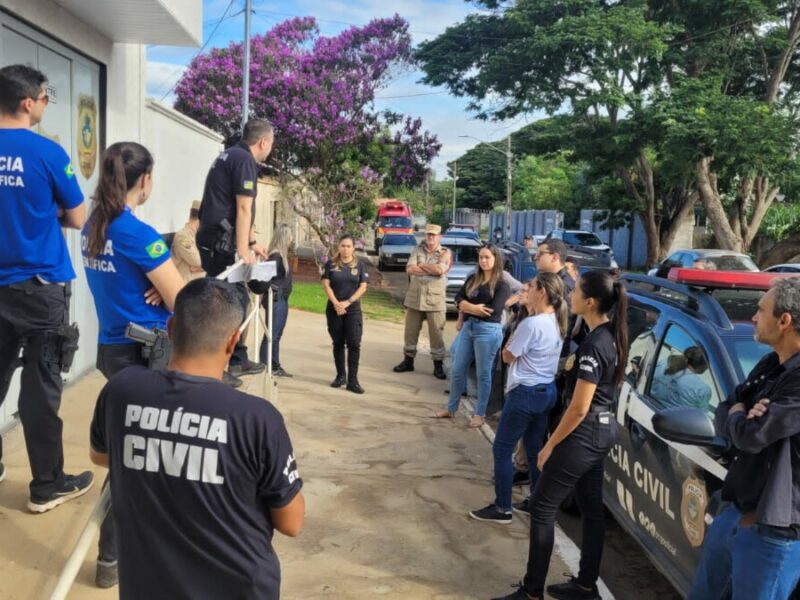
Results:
<point x="39" y="195"/>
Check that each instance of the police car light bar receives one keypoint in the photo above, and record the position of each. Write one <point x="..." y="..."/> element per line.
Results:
<point x="749" y="280"/>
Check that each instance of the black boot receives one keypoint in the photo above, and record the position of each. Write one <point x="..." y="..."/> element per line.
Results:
<point x="354" y="386"/>
<point x="438" y="370"/>
<point x="338" y="360"/>
<point x="406" y="365"/>
<point x="353" y="356"/>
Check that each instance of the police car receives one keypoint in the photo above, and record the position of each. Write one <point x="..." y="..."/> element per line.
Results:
<point x="691" y="342"/>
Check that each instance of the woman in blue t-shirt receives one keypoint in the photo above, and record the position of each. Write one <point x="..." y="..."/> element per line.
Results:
<point x="532" y="355"/>
<point x="131" y="277"/>
<point x="482" y="299"/>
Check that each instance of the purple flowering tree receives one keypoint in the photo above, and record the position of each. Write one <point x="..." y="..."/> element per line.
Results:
<point x="318" y="92"/>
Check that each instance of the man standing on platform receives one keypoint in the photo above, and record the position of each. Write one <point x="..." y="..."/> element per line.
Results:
<point x="227" y="214"/>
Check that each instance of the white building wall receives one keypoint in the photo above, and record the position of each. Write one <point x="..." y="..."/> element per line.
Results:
<point x="183" y="151"/>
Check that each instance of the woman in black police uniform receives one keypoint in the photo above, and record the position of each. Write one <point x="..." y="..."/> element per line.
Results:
<point x="131" y="277"/>
<point x="345" y="281"/>
<point x="573" y="456"/>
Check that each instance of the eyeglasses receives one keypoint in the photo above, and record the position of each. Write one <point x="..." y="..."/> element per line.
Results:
<point x="45" y="99"/>
<point x="541" y="253"/>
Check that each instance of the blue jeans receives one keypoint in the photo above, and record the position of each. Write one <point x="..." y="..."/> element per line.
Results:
<point x="745" y="562"/>
<point x="280" y="313"/>
<point x="478" y="341"/>
<point x="524" y="416"/>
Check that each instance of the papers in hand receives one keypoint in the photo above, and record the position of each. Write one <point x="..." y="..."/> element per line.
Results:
<point x="260" y="271"/>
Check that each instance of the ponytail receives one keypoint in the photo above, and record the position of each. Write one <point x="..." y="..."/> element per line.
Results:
<point x="612" y="300"/>
<point x="123" y="164"/>
<point x="619" y="324"/>
<point x="553" y="286"/>
<point x="562" y="316"/>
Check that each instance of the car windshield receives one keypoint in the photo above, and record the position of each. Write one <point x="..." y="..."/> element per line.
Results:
<point x="745" y="352"/>
<point x="739" y="305"/>
<point x="403" y="222"/>
<point x="730" y="262"/>
<point x="400" y="240"/>
<point x="464" y="255"/>
<point x="581" y="238"/>
<point x="465" y="233"/>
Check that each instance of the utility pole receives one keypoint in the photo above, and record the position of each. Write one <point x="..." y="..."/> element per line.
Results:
<point x="455" y="180"/>
<point x="246" y="64"/>
<point x="509" y="177"/>
<point x="509" y="166"/>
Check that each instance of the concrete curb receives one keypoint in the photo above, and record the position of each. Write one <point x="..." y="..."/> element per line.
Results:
<point x="564" y="546"/>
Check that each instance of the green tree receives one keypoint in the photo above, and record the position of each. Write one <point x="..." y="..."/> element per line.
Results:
<point x="678" y="99"/>
<point x="551" y="182"/>
<point x="595" y="60"/>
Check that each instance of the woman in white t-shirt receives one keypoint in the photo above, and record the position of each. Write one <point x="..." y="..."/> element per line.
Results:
<point x="532" y="355"/>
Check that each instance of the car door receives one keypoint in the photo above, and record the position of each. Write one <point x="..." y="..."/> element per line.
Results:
<point x="670" y="484"/>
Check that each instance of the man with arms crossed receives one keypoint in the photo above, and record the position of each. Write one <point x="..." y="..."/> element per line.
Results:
<point x="752" y="549"/>
<point x="201" y="474"/>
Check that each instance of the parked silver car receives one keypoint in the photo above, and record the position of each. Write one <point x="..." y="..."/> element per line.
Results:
<point x="784" y="268"/>
<point x="704" y="258"/>
<point x="395" y="250"/>
<point x="465" y="261"/>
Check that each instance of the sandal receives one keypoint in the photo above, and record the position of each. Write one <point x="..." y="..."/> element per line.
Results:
<point x="443" y="414"/>
<point x="475" y="422"/>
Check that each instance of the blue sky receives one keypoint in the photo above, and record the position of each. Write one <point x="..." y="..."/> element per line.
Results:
<point x="441" y="113"/>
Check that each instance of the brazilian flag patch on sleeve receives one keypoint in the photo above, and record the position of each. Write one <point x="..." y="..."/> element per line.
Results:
<point x="69" y="171"/>
<point x="156" y="249"/>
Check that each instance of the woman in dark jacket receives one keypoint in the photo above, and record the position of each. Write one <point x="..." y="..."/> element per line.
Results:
<point x="482" y="299"/>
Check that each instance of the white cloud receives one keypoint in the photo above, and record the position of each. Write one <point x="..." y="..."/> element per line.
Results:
<point x="161" y="79"/>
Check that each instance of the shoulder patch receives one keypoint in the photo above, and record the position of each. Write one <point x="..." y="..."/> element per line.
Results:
<point x="69" y="171"/>
<point x="248" y="185"/>
<point x="156" y="249"/>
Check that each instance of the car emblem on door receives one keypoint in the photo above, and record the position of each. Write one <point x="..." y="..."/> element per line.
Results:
<point x="693" y="510"/>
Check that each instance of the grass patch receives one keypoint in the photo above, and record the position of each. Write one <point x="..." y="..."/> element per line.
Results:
<point x="375" y="304"/>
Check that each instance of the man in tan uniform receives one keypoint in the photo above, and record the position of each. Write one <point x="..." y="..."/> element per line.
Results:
<point x="427" y="270"/>
<point x="184" y="248"/>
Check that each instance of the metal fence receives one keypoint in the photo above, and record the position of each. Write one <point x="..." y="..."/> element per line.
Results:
<point x="527" y="222"/>
<point x="628" y="242"/>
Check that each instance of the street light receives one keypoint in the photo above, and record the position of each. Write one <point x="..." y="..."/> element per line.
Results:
<point x="455" y="180"/>
<point x="509" y="168"/>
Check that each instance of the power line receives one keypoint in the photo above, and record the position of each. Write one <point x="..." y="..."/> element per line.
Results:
<point x="410" y="95"/>
<point x="199" y="52"/>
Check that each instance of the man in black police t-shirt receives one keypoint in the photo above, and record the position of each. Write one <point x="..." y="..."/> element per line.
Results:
<point x="201" y="474"/>
<point x="227" y="214"/>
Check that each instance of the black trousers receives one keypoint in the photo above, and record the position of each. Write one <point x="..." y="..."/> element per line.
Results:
<point x="345" y="330"/>
<point x="112" y="358"/>
<point x="213" y="265"/>
<point x="30" y="316"/>
<point x="576" y="463"/>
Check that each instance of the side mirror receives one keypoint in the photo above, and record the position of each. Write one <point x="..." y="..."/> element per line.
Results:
<point x="690" y="426"/>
